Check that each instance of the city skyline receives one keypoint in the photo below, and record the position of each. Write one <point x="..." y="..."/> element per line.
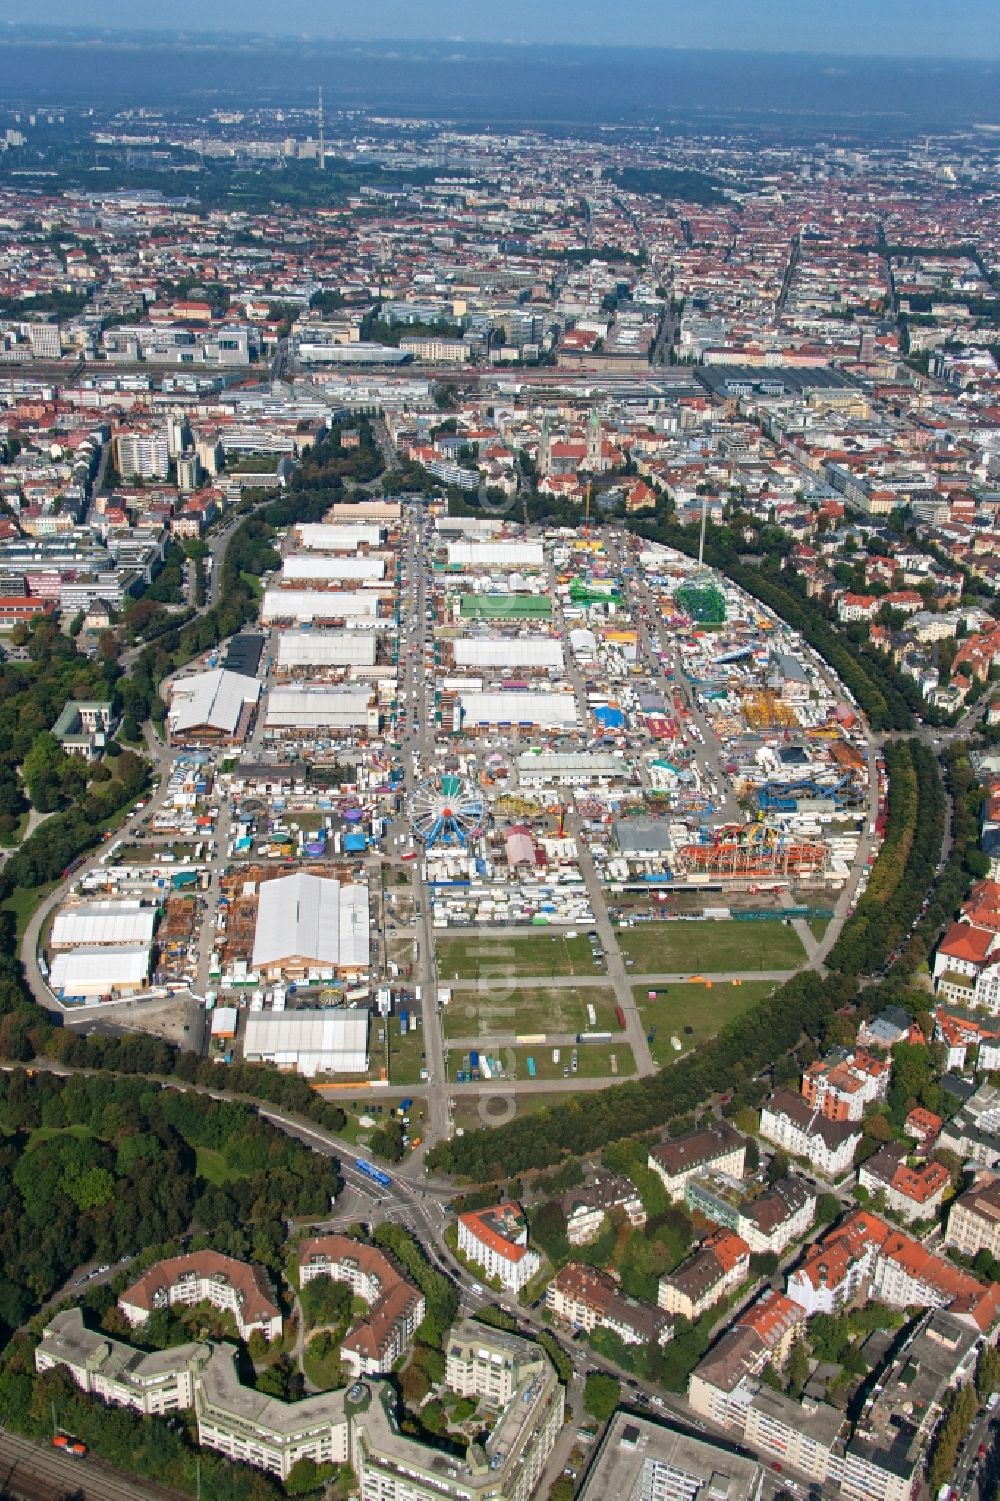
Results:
<point x="892" y="28"/>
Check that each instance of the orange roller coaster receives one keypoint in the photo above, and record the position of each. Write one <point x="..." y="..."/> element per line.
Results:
<point x="759" y="850"/>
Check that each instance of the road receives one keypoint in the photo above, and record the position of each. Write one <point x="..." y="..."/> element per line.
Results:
<point x="36" y="1472"/>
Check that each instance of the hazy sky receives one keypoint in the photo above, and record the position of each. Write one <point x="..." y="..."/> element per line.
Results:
<point x="945" y="28"/>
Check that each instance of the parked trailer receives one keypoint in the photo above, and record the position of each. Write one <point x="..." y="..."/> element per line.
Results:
<point x="620" y="1016"/>
<point x="593" y="1037"/>
<point x="531" y="1068"/>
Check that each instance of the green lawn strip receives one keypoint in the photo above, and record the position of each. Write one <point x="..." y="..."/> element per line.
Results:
<point x="680" y="947"/>
<point x="705" y="1010"/>
<point x="545" y="954"/>
<point x="521" y="1013"/>
<point x="405" y="1061"/>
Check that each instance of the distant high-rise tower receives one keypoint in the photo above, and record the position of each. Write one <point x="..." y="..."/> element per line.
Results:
<point x="322" y="133"/>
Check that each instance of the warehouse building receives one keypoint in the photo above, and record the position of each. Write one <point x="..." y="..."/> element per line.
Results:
<point x="310" y="925"/>
<point x="547" y="711"/>
<point x="319" y="605"/>
<point x="509" y="652"/>
<point x="99" y="923"/>
<point x="302" y="651"/>
<point x="298" y="569"/>
<point x="301" y="707"/>
<point x="318" y="536"/>
<point x="214" y="705"/>
<point x="88" y="974"/>
<point x="310" y="1042"/>
<point x="495" y="555"/>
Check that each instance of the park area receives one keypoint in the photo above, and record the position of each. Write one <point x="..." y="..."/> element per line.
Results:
<point x="693" y="947"/>
<point x="513" y="1012"/>
<point x="543" y="955"/>
<point x="693" y="1013"/>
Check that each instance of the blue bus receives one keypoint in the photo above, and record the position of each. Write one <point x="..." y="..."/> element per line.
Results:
<point x="374" y="1173"/>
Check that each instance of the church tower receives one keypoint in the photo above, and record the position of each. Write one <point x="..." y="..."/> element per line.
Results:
<point x="595" y="444"/>
<point x="545" y="448"/>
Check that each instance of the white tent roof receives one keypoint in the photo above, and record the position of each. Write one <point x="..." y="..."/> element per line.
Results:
<point x="326" y="649"/>
<point x="496" y="554"/>
<point x="549" y="710"/>
<point x="95" y="971"/>
<point x="308" y="917"/>
<point x="103" y="922"/>
<point x="318" y="604"/>
<point x="307" y="708"/>
<point x="314" y="1041"/>
<point x="296" y="568"/>
<point x="324" y="538"/>
<point x="211" y="700"/>
<point x="508" y="651"/>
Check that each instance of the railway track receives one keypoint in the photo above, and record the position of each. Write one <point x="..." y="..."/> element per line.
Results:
<point x="32" y="1472"/>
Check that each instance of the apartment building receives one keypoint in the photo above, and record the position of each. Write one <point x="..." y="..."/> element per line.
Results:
<point x="154" y="1384"/>
<point x="768" y="1219"/>
<point x="395" y="1307"/>
<point x="514" y="1380"/>
<point x="797" y="1127"/>
<point x="840" y="1085"/>
<point x="718" y="1146"/>
<point x="235" y="1420"/>
<point x="650" y="1461"/>
<point x="718" y="1266"/>
<point x="721" y="1385"/>
<point x="974" y="1220"/>
<point x="251" y="1428"/>
<point x="497" y="1240"/>
<point x="233" y="1286"/>
<point x="914" y="1193"/>
<point x="866" y="1252"/>
<point x="588" y="1299"/>
<point x="586" y="1208"/>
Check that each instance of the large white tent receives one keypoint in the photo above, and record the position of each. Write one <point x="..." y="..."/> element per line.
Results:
<point x="304" y="649"/>
<point x="509" y="651"/>
<point x="302" y="707"/>
<point x="313" y="1042"/>
<point x="210" y="702"/>
<point x="541" y="710"/>
<point x="91" y="972"/>
<point x="318" y="604"/>
<point x="114" y="923"/>
<point x="310" y="567"/>
<point x="496" y="554"/>
<point x="307" y="922"/>
<point x="321" y="537"/>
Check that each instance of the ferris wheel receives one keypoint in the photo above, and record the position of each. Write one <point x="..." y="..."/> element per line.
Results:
<point x="446" y="809"/>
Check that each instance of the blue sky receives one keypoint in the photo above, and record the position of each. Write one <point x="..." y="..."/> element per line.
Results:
<point x="907" y="28"/>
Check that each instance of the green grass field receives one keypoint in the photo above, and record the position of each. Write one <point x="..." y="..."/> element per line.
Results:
<point x="705" y="1010"/>
<point x="681" y="947"/>
<point x="467" y="1114"/>
<point x="545" y="954"/>
<point x="517" y="1012"/>
<point x="46" y="1133"/>
<point x="213" y="1167"/>
<point x="594" y="1061"/>
<point x="405" y="1061"/>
